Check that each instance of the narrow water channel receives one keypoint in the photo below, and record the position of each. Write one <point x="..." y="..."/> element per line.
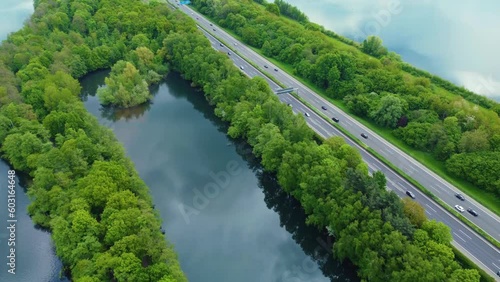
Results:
<point x="34" y="256"/>
<point x="227" y="219"/>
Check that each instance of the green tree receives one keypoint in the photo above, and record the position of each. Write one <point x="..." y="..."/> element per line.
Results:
<point x="474" y="141"/>
<point x="415" y="212"/>
<point x="273" y="8"/>
<point x="372" y="45"/>
<point x="125" y="87"/>
<point x="389" y="110"/>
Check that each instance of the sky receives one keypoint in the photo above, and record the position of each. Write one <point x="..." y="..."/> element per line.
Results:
<point x="457" y="40"/>
<point x="13" y="13"/>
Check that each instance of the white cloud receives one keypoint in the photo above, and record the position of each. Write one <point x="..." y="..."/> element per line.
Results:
<point x="12" y="15"/>
<point x="458" y="42"/>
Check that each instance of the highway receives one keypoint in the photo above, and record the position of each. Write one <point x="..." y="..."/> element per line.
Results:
<point x="473" y="245"/>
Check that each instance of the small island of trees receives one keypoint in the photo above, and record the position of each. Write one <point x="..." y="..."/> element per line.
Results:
<point x="127" y="85"/>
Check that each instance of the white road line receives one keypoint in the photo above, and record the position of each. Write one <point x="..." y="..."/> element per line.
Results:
<point x="495" y="265"/>
<point x="465" y="234"/>
<point x="399" y="188"/>
<point x="407" y="157"/>
<point x="459" y="236"/>
<point x="431" y="208"/>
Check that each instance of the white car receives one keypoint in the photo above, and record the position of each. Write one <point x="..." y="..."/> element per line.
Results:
<point x="459" y="208"/>
<point x="307" y="114"/>
<point x="241" y="67"/>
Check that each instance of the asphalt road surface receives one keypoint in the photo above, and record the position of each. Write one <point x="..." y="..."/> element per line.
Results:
<point x="473" y="245"/>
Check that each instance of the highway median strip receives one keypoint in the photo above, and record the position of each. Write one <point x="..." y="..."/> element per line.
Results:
<point x="478" y="230"/>
<point x="403" y="174"/>
<point x="371" y="151"/>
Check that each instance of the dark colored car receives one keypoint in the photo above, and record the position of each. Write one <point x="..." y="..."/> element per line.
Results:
<point x="221" y="45"/>
<point x="335" y="119"/>
<point x="275" y="69"/>
<point x="211" y="25"/>
<point x="498" y="273"/>
<point x="214" y="29"/>
<point x="460" y="196"/>
<point x="266" y="66"/>
<point x="473" y="212"/>
<point x="410" y="194"/>
<point x="323" y="107"/>
<point x="364" y="135"/>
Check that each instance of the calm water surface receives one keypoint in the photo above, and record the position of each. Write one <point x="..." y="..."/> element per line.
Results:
<point x="242" y="229"/>
<point x="35" y="257"/>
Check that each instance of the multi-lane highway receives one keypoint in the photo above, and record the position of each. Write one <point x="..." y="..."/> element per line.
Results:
<point x="486" y="220"/>
<point x="482" y="252"/>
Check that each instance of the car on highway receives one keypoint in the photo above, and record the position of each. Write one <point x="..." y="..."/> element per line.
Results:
<point x="459" y="208"/>
<point x="473" y="212"/>
<point x="323" y="107"/>
<point x="460" y="196"/>
<point x="498" y="273"/>
<point x="335" y="119"/>
<point x="307" y="114"/>
<point x="211" y="25"/>
<point x="410" y="194"/>
<point x="197" y="18"/>
<point x="241" y="67"/>
<point x="364" y="135"/>
<point x="221" y="45"/>
<point x="266" y="66"/>
<point x="235" y="44"/>
<point x="214" y="29"/>
<point x="229" y="53"/>
<point x="275" y="69"/>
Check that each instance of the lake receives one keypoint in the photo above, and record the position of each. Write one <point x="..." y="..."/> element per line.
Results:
<point x="227" y="219"/>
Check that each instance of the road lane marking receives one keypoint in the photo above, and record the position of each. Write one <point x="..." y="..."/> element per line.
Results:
<point x="407" y="158"/>
<point x="465" y="234"/>
<point x="458" y="246"/>
<point x="495" y="265"/>
<point x="431" y="208"/>
<point x="459" y="236"/>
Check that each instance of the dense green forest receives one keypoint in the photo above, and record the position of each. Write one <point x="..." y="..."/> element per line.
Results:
<point x="388" y="240"/>
<point x="127" y="85"/>
<point x="424" y="111"/>
<point x="89" y="195"/>
<point x="84" y="189"/>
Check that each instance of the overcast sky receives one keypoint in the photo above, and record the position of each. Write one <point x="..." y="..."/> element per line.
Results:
<point x="458" y="40"/>
<point x="13" y="13"/>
